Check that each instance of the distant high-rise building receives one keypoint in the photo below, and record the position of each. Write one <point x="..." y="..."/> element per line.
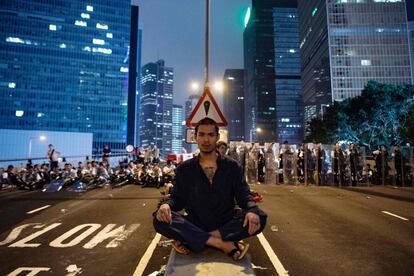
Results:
<point x="344" y="44"/>
<point x="273" y="109"/>
<point x="411" y="40"/>
<point x="156" y="106"/>
<point x="138" y="91"/>
<point x="64" y="67"/>
<point x="410" y="17"/>
<point x="190" y="103"/>
<point x="233" y="103"/>
<point x="177" y="128"/>
<point x="134" y="61"/>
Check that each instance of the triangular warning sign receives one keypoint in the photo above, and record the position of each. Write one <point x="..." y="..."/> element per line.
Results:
<point x="206" y="107"/>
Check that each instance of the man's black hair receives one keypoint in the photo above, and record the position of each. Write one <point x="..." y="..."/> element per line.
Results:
<point x="207" y="121"/>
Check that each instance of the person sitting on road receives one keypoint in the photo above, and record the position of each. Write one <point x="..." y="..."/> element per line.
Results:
<point x="69" y="174"/>
<point x="102" y="173"/>
<point x="207" y="187"/>
<point x="13" y="177"/>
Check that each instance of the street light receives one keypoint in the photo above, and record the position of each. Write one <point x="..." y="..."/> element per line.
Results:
<point x="257" y="130"/>
<point x="218" y="86"/>
<point x="195" y="86"/>
<point x="41" y="138"/>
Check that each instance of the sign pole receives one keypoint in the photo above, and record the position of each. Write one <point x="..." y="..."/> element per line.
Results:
<point x="207" y="39"/>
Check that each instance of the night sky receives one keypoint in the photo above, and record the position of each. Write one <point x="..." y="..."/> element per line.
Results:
<point x="410" y="9"/>
<point x="174" y="31"/>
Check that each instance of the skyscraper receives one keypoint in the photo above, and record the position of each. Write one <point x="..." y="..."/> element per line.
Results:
<point x="133" y="76"/>
<point x="344" y="44"/>
<point x="177" y="128"/>
<point x="190" y="104"/>
<point x="273" y="108"/>
<point x="156" y="106"/>
<point x="64" y="67"/>
<point x="233" y="103"/>
<point x="410" y="18"/>
<point x="138" y="91"/>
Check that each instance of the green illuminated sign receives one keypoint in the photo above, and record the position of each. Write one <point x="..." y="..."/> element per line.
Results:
<point x="247" y="17"/>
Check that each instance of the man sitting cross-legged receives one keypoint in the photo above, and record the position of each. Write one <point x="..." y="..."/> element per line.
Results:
<point x="207" y="187"/>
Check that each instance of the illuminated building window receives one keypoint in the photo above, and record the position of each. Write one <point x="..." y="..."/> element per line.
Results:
<point x="81" y="23"/>
<point x="12" y="85"/>
<point x="109" y="35"/>
<point x="366" y="62"/>
<point x="15" y="40"/>
<point x="89" y="8"/>
<point x="98" y="41"/>
<point x="52" y="27"/>
<point x="101" y="26"/>
<point x="85" y="15"/>
<point x="19" y="113"/>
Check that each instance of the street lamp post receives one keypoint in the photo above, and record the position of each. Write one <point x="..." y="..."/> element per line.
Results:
<point x="256" y="131"/>
<point x="41" y="138"/>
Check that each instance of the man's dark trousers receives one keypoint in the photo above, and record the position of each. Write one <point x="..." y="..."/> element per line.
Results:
<point x="195" y="238"/>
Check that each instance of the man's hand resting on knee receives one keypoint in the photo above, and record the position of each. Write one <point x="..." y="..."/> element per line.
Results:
<point x="253" y="221"/>
<point x="164" y="214"/>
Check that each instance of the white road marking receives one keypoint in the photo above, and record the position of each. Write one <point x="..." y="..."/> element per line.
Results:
<point x="32" y="271"/>
<point x="23" y="242"/>
<point x="38" y="209"/>
<point x="59" y="242"/>
<point x="16" y="232"/>
<point x="145" y="259"/>
<point x="272" y="256"/>
<point x="394" y="215"/>
<point x="119" y="234"/>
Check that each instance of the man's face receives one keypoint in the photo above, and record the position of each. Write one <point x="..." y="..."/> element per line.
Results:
<point x="206" y="138"/>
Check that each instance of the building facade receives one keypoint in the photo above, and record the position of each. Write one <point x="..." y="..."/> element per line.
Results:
<point x="411" y="41"/>
<point x="233" y="103"/>
<point x="156" y="106"/>
<point x="64" y="67"/>
<point x="289" y="107"/>
<point x="272" y="97"/>
<point x="177" y="128"/>
<point x="190" y="104"/>
<point x="352" y="42"/>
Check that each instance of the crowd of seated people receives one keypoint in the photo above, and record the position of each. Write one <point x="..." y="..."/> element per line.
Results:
<point x="93" y="174"/>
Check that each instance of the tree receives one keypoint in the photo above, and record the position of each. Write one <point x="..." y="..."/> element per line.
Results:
<point x="407" y="130"/>
<point x="378" y="116"/>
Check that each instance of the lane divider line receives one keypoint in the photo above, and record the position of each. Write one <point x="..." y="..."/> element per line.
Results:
<point x="38" y="209"/>
<point x="147" y="256"/>
<point x="272" y="256"/>
<point x="394" y="215"/>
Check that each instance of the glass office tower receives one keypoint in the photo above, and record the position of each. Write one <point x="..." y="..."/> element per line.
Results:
<point x="233" y="103"/>
<point x="368" y="41"/>
<point x="289" y="106"/>
<point x="362" y="40"/>
<point x="177" y="128"/>
<point x="64" y="67"/>
<point x="156" y="106"/>
<point x="272" y="72"/>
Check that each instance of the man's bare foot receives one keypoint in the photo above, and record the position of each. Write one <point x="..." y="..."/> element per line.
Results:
<point x="216" y="234"/>
<point x="236" y="250"/>
<point x="180" y="248"/>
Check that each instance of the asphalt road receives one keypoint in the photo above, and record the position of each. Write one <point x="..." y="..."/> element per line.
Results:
<point x="311" y="230"/>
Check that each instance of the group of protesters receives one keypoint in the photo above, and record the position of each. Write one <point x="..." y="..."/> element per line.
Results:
<point x="92" y="174"/>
